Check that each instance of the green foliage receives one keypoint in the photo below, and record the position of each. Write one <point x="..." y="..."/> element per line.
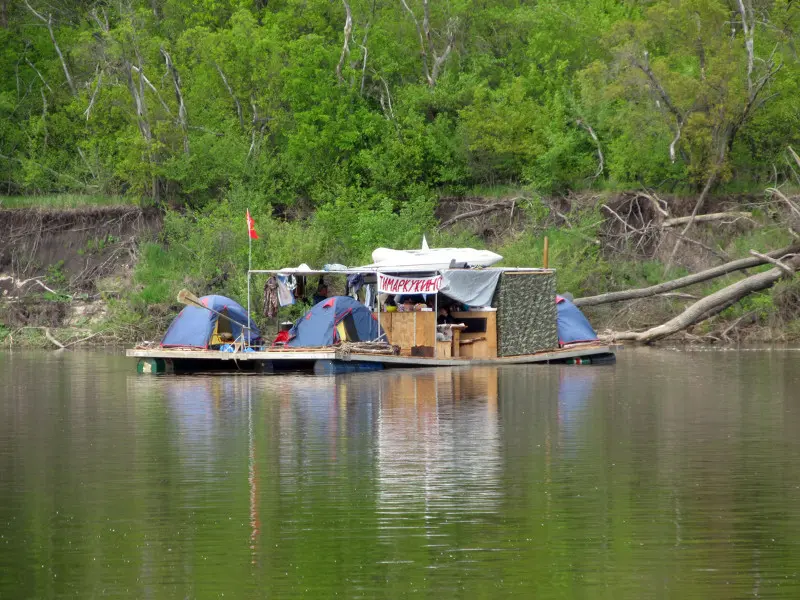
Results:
<point x="206" y="250"/>
<point x="55" y="275"/>
<point x="97" y="245"/>
<point x="64" y="201"/>
<point x="269" y="105"/>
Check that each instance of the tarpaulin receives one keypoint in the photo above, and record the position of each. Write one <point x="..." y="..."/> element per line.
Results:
<point x="470" y="287"/>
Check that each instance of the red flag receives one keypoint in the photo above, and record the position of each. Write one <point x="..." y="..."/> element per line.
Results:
<point x="251" y="226"/>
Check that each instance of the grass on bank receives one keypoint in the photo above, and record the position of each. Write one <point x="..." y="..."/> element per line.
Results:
<point x="65" y="201"/>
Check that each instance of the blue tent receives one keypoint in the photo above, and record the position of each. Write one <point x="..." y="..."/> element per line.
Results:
<point x="197" y="327"/>
<point x="572" y="325"/>
<point x="318" y="327"/>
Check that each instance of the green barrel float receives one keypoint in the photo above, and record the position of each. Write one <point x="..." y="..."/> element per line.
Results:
<point x="579" y="361"/>
<point x="597" y="359"/>
<point x="154" y="366"/>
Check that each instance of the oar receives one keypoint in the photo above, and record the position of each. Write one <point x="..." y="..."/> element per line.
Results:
<point x="189" y="299"/>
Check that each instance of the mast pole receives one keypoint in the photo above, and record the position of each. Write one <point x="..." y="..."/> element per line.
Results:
<point x="435" y="318"/>
<point x="249" y="268"/>
<point x="378" y="302"/>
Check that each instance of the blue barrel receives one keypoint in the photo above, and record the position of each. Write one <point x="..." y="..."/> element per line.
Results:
<point x="337" y="367"/>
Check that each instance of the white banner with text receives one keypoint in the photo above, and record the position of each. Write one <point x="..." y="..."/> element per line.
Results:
<point x="390" y="284"/>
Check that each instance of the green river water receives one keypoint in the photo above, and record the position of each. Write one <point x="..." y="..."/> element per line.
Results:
<point x="674" y="474"/>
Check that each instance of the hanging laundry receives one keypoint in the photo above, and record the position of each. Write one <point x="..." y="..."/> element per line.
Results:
<point x="285" y="296"/>
<point x="300" y="289"/>
<point x="271" y="298"/>
<point x="369" y="296"/>
<point x="354" y="283"/>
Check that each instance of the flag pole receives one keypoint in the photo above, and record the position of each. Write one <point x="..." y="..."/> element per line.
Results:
<point x="249" y="267"/>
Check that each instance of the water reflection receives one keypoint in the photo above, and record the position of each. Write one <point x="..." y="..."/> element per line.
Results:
<point x="667" y="475"/>
<point x="438" y="449"/>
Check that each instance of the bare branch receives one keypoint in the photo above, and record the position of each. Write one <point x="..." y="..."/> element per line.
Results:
<point x="232" y="95"/>
<point x="101" y="24"/>
<point x="49" y="22"/>
<point x="794" y="155"/>
<point x="52" y="339"/>
<point x="644" y="67"/>
<point x="600" y="160"/>
<point x="140" y="103"/>
<point x="183" y="119"/>
<point x="788" y="271"/>
<point x="658" y="204"/>
<point x="256" y="131"/>
<point x="44" y="119"/>
<point x="143" y="79"/>
<point x="748" y="27"/>
<point x="675" y="140"/>
<point x="438" y="60"/>
<point x="712" y="179"/>
<point x="680" y="117"/>
<point x="363" y="68"/>
<point x="422" y="51"/>
<point x="625" y="224"/>
<point x="705" y="218"/>
<point x="88" y="110"/>
<point x="388" y="98"/>
<point x="348" y="28"/>
<point x="32" y="66"/>
<point x="792" y="206"/>
<point x="502" y="205"/>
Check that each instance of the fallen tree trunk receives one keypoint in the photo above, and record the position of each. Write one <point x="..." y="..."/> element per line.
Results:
<point x="704" y="218"/>
<point x="710" y="305"/>
<point x="668" y="286"/>
<point x="500" y="205"/>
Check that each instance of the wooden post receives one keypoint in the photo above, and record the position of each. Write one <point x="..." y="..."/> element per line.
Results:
<point x="546" y="253"/>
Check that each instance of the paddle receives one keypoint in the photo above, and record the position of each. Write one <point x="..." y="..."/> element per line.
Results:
<point x="189" y="299"/>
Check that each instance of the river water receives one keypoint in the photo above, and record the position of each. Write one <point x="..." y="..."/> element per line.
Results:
<point x="674" y="474"/>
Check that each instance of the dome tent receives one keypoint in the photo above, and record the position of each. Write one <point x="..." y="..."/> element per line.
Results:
<point x="196" y="327"/>
<point x="573" y="327"/>
<point x="323" y="323"/>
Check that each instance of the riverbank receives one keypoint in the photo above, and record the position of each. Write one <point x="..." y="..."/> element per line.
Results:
<point x="109" y="274"/>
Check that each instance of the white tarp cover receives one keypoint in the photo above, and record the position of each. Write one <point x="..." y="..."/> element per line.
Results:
<point x="470" y="287"/>
<point x="433" y="258"/>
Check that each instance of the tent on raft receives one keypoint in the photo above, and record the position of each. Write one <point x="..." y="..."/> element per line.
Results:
<point x="573" y="327"/>
<point x="196" y="327"/>
<point x="335" y="319"/>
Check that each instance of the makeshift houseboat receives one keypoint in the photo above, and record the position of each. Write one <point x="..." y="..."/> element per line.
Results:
<point x="417" y="308"/>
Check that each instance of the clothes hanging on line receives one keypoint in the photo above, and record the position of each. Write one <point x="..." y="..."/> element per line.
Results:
<point x="300" y="288"/>
<point x="285" y="286"/>
<point x="271" y="298"/>
<point x="354" y="283"/>
<point x="369" y="296"/>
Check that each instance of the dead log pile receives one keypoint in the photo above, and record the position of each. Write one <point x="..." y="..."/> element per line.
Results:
<point x="668" y="286"/>
<point x="787" y="265"/>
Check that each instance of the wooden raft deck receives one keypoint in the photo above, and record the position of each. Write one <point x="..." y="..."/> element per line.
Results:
<point x="326" y="354"/>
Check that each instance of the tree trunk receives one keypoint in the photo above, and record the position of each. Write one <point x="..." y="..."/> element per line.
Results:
<point x="711" y="305"/>
<point x="705" y="218"/>
<point x="183" y="119"/>
<point x="348" y="29"/>
<point x="49" y="22"/>
<point x="668" y="286"/>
